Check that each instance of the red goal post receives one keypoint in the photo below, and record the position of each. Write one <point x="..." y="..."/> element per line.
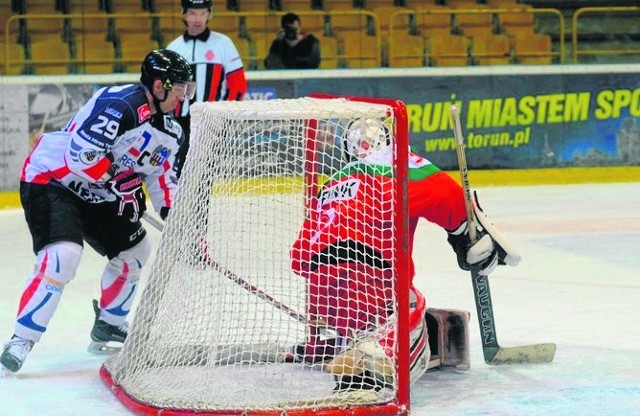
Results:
<point x="222" y="311"/>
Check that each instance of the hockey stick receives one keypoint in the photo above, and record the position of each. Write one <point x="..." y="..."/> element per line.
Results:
<point x="494" y="354"/>
<point x="159" y="225"/>
<point x="348" y="362"/>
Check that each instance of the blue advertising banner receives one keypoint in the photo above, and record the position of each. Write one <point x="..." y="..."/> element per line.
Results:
<point x="513" y="121"/>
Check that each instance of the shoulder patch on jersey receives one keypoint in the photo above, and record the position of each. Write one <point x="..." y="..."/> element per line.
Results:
<point x="89" y="156"/>
<point x="172" y="126"/>
<point x="143" y="113"/>
<point x="159" y="155"/>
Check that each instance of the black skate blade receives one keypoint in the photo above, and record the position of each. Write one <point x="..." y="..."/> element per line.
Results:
<point x="103" y="348"/>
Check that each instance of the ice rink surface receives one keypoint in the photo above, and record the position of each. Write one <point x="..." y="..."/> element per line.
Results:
<point x="578" y="286"/>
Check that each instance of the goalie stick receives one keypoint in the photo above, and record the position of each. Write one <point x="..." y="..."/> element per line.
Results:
<point x="494" y="354"/>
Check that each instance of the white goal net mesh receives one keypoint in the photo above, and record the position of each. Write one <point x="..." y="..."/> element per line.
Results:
<point x="222" y="313"/>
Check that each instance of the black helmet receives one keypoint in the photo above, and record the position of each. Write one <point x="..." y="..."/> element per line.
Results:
<point x="195" y="4"/>
<point x="166" y="65"/>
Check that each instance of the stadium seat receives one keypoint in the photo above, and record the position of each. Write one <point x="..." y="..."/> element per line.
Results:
<point x="102" y="24"/>
<point x="47" y="54"/>
<point x="359" y="49"/>
<point x="259" y="43"/>
<point x="95" y="54"/>
<point x="296" y="5"/>
<point x="133" y="21"/>
<point x="170" y="27"/>
<point x="533" y="49"/>
<point x="39" y="7"/>
<point x="127" y="6"/>
<point x="15" y="58"/>
<point x="447" y="50"/>
<point x="386" y="13"/>
<point x="253" y="5"/>
<point x="344" y="21"/>
<point x="472" y="23"/>
<point x="5" y="14"/>
<point x="434" y="24"/>
<point x="513" y="22"/>
<point x="229" y="25"/>
<point x="318" y="24"/>
<point x="406" y="50"/>
<point x="87" y="7"/>
<point x="504" y="4"/>
<point x="464" y="4"/>
<point x="328" y="52"/>
<point x="338" y="5"/>
<point x="42" y="25"/>
<point x="374" y="4"/>
<point x="490" y="50"/>
<point x="170" y="6"/>
<point x="131" y="48"/>
<point x="268" y="24"/>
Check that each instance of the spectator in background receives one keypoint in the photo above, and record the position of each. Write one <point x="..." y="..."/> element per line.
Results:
<point x="293" y="48"/>
<point x="217" y="66"/>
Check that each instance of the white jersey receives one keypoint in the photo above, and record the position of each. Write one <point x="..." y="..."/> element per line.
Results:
<point x="114" y="129"/>
<point x="212" y="56"/>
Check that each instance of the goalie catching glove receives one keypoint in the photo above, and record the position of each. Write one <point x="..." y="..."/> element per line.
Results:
<point x="490" y="250"/>
<point x="127" y="187"/>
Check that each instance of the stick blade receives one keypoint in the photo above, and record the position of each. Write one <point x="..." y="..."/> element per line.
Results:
<point x="524" y="354"/>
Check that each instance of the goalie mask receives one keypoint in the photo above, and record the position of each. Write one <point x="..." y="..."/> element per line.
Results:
<point x="169" y="67"/>
<point x="365" y="137"/>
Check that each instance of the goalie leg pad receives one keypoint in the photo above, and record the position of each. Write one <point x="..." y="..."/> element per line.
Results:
<point x="448" y="338"/>
<point x="372" y="357"/>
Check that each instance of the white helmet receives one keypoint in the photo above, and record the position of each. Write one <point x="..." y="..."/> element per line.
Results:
<point x="363" y="137"/>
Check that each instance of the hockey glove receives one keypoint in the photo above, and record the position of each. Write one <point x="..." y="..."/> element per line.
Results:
<point x="127" y="186"/>
<point x="490" y="249"/>
<point x="482" y="253"/>
<point x="164" y="212"/>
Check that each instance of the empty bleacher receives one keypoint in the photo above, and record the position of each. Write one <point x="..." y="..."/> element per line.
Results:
<point x="96" y="36"/>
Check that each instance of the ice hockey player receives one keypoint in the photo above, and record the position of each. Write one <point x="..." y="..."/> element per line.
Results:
<point x="344" y="250"/>
<point x="85" y="183"/>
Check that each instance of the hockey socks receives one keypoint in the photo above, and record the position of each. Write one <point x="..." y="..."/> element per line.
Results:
<point x="120" y="281"/>
<point x="55" y="266"/>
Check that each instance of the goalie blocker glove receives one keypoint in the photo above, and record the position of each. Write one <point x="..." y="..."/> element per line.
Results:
<point x="490" y="250"/>
<point x="127" y="186"/>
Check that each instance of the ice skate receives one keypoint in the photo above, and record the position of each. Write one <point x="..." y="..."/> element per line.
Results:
<point x="15" y="352"/>
<point x="106" y="338"/>
<point x="365" y="381"/>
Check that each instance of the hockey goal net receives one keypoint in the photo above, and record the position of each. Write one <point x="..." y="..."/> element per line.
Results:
<point x="222" y="312"/>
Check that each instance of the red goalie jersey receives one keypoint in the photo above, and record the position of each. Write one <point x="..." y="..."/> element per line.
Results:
<point x="345" y="245"/>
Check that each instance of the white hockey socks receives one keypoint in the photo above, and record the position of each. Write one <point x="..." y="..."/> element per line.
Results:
<point x="55" y="266"/>
<point x="119" y="282"/>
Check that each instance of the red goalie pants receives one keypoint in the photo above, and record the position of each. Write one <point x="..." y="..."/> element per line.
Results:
<point x="352" y="297"/>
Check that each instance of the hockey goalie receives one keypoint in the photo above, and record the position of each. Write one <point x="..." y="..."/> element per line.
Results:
<point x="344" y="250"/>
